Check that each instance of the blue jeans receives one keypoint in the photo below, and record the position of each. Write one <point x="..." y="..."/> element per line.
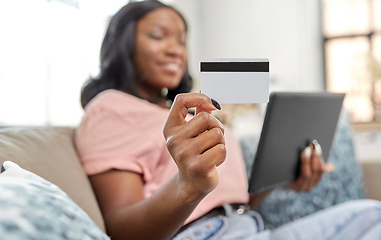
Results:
<point x="357" y="220"/>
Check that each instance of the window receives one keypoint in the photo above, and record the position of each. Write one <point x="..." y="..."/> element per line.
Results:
<point x="352" y="31"/>
<point x="49" y="48"/>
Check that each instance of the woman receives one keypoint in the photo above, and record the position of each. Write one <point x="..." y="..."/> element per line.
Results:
<point x="190" y="183"/>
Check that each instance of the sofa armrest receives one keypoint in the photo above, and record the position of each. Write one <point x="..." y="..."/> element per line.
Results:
<point x="372" y="178"/>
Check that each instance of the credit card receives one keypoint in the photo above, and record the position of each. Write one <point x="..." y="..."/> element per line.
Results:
<point x="235" y="80"/>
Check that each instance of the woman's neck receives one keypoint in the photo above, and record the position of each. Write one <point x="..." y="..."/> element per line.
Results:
<point x="163" y="104"/>
<point x="153" y="95"/>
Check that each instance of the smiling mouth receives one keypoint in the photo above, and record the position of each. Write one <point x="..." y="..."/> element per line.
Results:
<point x="172" y="67"/>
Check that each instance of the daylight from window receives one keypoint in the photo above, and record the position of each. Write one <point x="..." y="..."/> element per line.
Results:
<point x="352" y="30"/>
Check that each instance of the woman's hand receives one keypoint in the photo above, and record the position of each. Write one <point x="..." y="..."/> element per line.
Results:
<point x="312" y="169"/>
<point x="197" y="146"/>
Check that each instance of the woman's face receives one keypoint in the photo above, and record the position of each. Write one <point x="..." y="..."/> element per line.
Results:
<point x="160" y="55"/>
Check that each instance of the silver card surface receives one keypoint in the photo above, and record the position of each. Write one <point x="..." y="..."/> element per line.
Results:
<point x="235" y="80"/>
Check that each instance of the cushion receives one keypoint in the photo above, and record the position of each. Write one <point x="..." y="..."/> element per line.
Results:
<point x="50" y="153"/>
<point x="33" y="208"/>
<point x="372" y="178"/>
<point x="343" y="184"/>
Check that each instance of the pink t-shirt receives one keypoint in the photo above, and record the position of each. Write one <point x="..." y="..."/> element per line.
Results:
<point x="120" y="131"/>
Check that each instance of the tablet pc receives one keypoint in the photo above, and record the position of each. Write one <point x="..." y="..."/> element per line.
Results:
<point x="291" y="122"/>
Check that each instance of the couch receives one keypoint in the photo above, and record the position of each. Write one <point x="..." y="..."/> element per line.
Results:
<point x="50" y="153"/>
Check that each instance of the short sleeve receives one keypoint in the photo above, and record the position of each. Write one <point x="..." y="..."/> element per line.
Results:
<point x="107" y="141"/>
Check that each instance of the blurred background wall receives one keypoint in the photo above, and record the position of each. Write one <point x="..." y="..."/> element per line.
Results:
<point x="288" y="33"/>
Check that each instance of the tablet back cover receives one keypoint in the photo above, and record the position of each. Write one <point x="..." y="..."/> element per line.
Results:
<point x="292" y="121"/>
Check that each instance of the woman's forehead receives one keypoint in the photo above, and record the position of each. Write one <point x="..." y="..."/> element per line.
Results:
<point x="163" y="17"/>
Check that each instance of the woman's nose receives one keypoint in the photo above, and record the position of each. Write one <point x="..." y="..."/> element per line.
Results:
<point x="175" y="48"/>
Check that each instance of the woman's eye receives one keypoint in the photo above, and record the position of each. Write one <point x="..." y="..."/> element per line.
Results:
<point x="154" y="36"/>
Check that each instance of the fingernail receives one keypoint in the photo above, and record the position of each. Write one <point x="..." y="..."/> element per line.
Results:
<point x="317" y="147"/>
<point x="314" y="143"/>
<point x="216" y="104"/>
<point x="329" y="167"/>
<point x="307" y="152"/>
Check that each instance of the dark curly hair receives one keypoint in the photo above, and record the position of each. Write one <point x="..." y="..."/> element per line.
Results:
<point x="117" y="67"/>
